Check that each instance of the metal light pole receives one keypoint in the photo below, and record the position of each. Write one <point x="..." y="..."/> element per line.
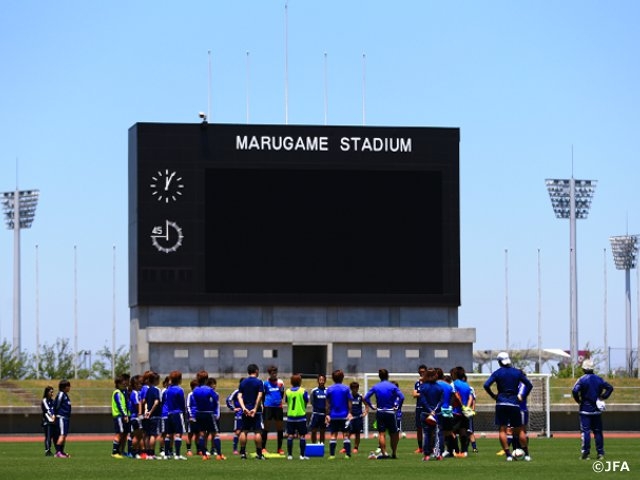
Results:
<point x="19" y="211"/>
<point x="625" y="254"/>
<point x="572" y="199"/>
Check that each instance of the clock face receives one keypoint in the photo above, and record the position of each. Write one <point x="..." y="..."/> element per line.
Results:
<point x="167" y="238"/>
<point x="166" y="185"/>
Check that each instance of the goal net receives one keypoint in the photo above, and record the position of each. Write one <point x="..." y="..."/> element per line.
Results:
<point x="538" y="402"/>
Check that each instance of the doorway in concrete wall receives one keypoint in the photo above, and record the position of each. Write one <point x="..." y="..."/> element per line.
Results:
<point x="310" y="360"/>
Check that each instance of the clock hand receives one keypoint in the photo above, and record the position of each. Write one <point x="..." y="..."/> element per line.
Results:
<point x="167" y="181"/>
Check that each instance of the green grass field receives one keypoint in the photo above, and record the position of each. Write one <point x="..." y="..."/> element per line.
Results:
<point x="552" y="458"/>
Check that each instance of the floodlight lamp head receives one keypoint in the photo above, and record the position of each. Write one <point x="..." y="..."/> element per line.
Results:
<point x="203" y="116"/>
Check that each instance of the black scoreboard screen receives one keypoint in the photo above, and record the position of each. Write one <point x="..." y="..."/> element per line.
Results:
<point x="225" y="214"/>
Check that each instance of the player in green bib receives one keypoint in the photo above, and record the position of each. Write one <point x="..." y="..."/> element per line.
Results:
<point x="297" y="400"/>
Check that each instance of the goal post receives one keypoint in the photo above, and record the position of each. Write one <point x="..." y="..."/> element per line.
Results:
<point x="538" y="402"/>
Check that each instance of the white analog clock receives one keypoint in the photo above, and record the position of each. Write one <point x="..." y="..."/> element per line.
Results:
<point x="167" y="238"/>
<point x="166" y="185"/>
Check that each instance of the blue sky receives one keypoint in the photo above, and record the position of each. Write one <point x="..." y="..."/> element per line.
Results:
<point x="526" y="82"/>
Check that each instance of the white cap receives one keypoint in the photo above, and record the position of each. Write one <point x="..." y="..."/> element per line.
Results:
<point x="503" y="358"/>
<point x="587" y="364"/>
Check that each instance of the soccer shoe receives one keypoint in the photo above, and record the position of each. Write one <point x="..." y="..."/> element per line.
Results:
<point x="48" y="453"/>
<point x="347" y="457"/>
<point x="500" y="452"/>
<point x="260" y="457"/>
<point x="280" y="451"/>
<point x="62" y="455"/>
<point x="475" y="450"/>
<point x="243" y="456"/>
<point x="332" y="457"/>
<point x="383" y="457"/>
<point x="355" y="450"/>
<point x="289" y="457"/>
<point x="439" y="457"/>
<point x="509" y="458"/>
<point x="179" y="457"/>
<point x="460" y="455"/>
<point x="117" y="455"/>
<point x="426" y="458"/>
<point x="601" y="456"/>
<point x="189" y="453"/>
<point x="417" y="451"/>
<point x="378" y="451"/>
<point x="236" y="452"/>
<point x="446" y="454"/>
<point x="302" y="457"/>
<point x="527" y="458"/>
<point x="372" y="455"/>
<point x="220" y="457"/>
<point x="343" y="450"/>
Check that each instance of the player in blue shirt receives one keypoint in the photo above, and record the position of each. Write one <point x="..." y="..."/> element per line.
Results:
<point x="359" y="412"/>
<point x="273" y="411"/>
<point x="176" y="410"/>
<point x="507" y="380"/>
<point x="250" y="394"/>
<point x="430" y="398"/>
<point x="463" y="391"/>
<point x="234" y="405"/>
<point x="339" y="414"/>
<point x="136" y="414"/>
<point x="387" y="394"/>
<point x="192" y="428"/>
<point x="589" y="391"/>
<point x="318" y="400"/>
<point x="48" y="420"/>
<point x="62" y="412"/>
<point x="152" y="414"/>
<point x="416" y="393"/>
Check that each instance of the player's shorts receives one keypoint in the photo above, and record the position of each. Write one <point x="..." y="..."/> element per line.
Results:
<point x="273" y="413"/>
<point x="135" y="423"/>
<point x="386" y="421"/>
<point x="237" y="423"/>
<point x="299" y="427"/>
<point x="252" y="424"/>
<point x="120" y="426"/>
<point x="356" y="425"/>
<point x="62" y="423"/>
<point x="337" y="425"/>
<point x="175" y="424"/>
<point x="524" y="415"/>
<point x="447" y="424"/>
<point x="417" y="419"/>
<point x="460" y="422"/>
<point x="317" y="421"/>
<point x="508" y="415"/>
<point x="152" y="426"/>
<point x="470" y="428"/>
<point x="205" y="422"/>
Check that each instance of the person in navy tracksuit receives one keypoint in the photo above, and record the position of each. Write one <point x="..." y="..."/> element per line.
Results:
<point x="588" y="391"/>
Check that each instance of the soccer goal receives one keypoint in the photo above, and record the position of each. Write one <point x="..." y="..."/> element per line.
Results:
<point x="538" y="402"/>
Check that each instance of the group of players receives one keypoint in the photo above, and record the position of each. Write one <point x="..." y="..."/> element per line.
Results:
<point x="144" y="414"/>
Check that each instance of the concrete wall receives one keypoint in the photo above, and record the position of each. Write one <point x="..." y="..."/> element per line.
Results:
<point x="224" y="340"/>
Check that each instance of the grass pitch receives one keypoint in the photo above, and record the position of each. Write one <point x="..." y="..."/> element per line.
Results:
<point x="552" y="458"/>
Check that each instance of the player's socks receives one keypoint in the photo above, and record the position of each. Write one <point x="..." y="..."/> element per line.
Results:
<point x="332" y="448"/>
<point x="115" y="448"/>
<point x="167" y="446"/>
<point x="303" y="446"/>
<point x="347" y="447"/>
<point x="235" y="442"/>
<point x="280" y="438"/>
<point x="265" y="434"/>
<point x="217" y="444"/>
<point x="177" y="444"/>
<point x="290" y="446"/>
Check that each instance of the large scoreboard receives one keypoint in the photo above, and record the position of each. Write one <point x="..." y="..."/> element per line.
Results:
<point x="223" y="214"/>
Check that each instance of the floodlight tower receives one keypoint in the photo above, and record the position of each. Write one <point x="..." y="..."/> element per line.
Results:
<point x="19" y="211"/>
<point x="572" y="199"/>
<point x="625" y="256"/>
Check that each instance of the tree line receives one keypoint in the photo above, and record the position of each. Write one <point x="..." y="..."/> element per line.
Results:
<point x="58" y="361"/>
